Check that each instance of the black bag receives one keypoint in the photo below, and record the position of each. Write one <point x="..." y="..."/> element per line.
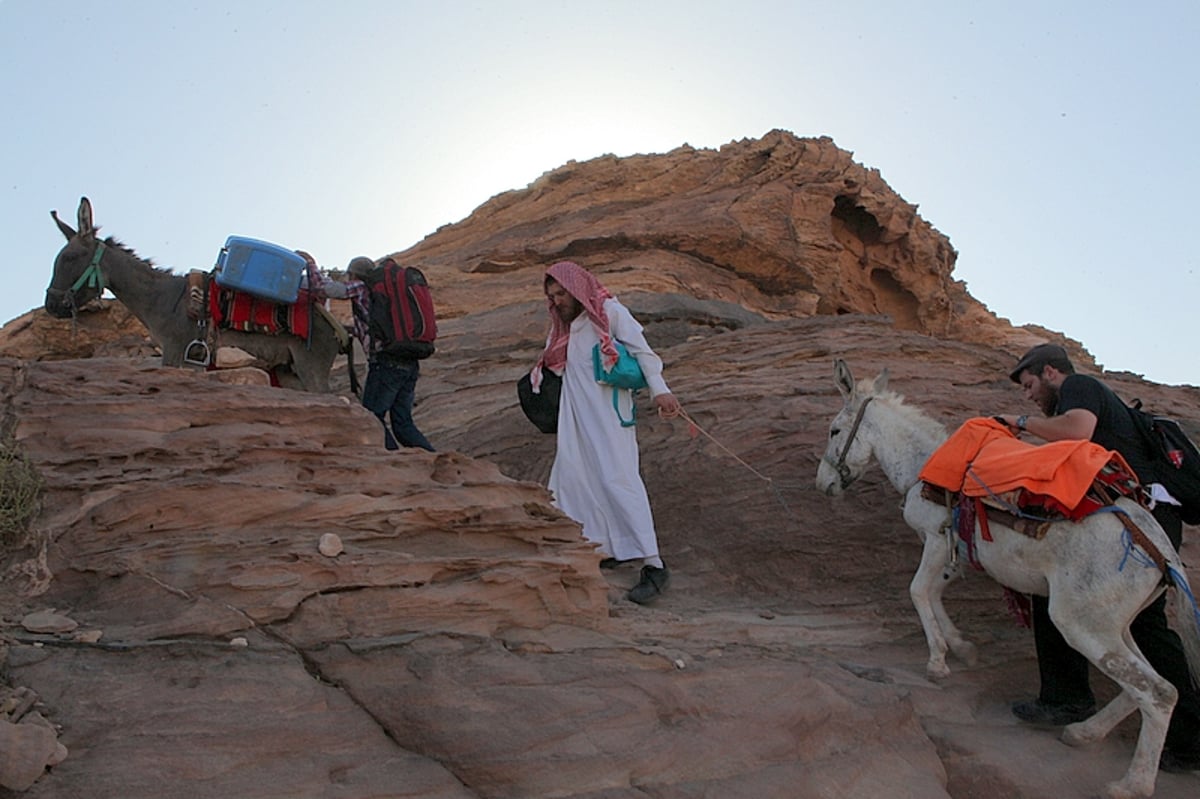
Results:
<point x="541" y="408"/>
<point x="1176" y="461"/>
<point x="402" y="320"/>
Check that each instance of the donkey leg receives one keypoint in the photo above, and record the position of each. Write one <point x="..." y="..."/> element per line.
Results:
<point x="1114" y="653"/>
<point x="1156" y="698"/>
<point x="1104" y="721"/>
<point x="1141" y="689"/>
<point x="1097" y="726"/>
<point x="926" y="590"/>
<point x="963" y="649"/>
<point x="172" y="354"/>
<point x="311" y="365"/>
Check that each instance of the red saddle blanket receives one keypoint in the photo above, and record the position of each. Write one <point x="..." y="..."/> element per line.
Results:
<point x="237" y="310"/>
<point x="983" y="458"/>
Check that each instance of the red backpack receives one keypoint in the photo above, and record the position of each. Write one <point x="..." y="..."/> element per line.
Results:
<point x="401" y="320"/>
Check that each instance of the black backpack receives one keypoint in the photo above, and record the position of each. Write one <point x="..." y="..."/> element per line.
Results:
<point x="1175" y="459"/>
<point x="402" y="321"/>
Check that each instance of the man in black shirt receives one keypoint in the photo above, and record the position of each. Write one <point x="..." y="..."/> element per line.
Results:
<point x="1081" y="407"/>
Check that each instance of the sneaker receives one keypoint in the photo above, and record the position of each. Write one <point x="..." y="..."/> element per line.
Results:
<point x="653" y="582"/>
<point x="1179" y="762"/>
<point x="1046" y="714"/>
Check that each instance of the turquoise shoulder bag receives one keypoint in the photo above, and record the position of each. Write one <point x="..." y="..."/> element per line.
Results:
<point x="626" y="373"/>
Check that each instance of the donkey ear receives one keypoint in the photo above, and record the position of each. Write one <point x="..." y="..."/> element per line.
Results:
<point x="66" y="229"/>
<point x="86" y="228"/>
<point x="842" y="378"/>
<point x="881" y="381"/>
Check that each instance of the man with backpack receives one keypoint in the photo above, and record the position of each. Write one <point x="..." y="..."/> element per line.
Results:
<point x="394" y="322"/>
<point x="1081" y="407"/>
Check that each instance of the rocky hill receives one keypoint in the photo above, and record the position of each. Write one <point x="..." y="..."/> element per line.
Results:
<point x="179" y="620"/>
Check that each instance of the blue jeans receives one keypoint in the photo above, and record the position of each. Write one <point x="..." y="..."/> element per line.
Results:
<point x="389" y="392"/>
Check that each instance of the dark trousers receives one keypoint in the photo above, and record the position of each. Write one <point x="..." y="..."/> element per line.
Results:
<point x="1064" y="672"/>
<point x="388" y="393"/>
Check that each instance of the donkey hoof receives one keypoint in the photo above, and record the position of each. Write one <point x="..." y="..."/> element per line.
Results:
<point x="1071" y="737"/>
<point x="937" y="671"/>
<point x="967" y="653"/>
<point x="1122" y="790"/>
<point x="1078" y="734"/>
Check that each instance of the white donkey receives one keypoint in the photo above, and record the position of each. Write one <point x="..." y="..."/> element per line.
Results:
<point x="1095" y="587"/>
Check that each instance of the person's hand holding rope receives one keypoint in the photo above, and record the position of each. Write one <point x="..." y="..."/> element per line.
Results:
<point x="668" y="406"/>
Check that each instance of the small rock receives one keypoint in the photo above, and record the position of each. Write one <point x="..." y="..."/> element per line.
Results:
<point x="330" y="545"/>
<point x="47" y="621"/>
<point x="27" y="749"/>
<point x="234" y="358"/>
<point x="239" y="642"/>
<point x="60" y="754"/>
<point x="89" y="636"/>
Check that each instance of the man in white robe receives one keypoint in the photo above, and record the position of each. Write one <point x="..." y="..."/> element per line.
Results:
<point x="595" y="478"/>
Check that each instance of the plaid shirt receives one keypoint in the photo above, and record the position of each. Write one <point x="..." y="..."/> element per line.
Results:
<point x="360" y="303"/>
<point x="354" y="290"/>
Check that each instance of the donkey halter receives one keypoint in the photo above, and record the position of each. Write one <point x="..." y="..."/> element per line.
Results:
<point x="92" y="277"/>
<point x="840" y="464"/>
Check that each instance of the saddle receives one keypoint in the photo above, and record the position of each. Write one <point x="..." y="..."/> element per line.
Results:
<point x="984" y="459"/>
<point x="984" y="473"/>
<point x="231" y="309"/>
<point x="217" y="307"/>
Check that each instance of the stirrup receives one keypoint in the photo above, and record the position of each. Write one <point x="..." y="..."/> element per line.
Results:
<point x="197" y="353"/>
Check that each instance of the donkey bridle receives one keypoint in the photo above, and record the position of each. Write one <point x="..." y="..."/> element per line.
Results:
<point x="92" y="277"/>
<point x="840" y="465"/>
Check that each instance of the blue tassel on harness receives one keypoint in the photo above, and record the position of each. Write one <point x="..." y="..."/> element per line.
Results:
<point x="1173" y="576"/>
<point x="1180" y="584"/>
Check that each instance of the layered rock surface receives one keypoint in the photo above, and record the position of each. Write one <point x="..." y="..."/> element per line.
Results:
<point x="464" y="642"/>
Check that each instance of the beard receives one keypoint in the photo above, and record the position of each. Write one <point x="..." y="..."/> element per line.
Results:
<point x="1048" y="402"/>
<point x="569" y="313"/>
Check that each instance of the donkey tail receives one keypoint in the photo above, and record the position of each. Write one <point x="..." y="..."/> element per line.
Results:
<point x="1187" y="619"/>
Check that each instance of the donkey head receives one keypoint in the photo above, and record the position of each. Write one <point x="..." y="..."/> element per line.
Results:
<point x="847" y="454"/>
<point x="77" y="278"/>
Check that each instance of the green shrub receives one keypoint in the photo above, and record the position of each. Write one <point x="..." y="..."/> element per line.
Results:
<point x="20" y="494"/>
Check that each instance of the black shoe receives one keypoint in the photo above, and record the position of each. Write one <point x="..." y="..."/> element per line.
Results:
<point x="1179" y="762"/>
<point x="609" y="563"/>
<point x="1044" y="714"/>
<point x="653" y="583"/>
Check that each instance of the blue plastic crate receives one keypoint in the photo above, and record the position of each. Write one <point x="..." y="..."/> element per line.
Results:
<point x="260" y="268"/>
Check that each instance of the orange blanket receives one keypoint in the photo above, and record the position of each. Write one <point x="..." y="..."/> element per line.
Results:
<point x="982" y="457"/>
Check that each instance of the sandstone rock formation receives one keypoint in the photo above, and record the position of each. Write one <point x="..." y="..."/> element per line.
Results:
<point x="463" y="641"/>
<point x="105" y="328"/>
<point x="783" y="226"/>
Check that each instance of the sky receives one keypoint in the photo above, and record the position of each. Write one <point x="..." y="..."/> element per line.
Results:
<point x="1054" y="143"/>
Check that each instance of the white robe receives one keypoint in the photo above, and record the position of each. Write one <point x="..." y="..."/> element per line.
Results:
<point x="595" y="478"/>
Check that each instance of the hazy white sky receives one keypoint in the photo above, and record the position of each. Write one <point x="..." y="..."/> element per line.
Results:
<point x="1053" y="142"/>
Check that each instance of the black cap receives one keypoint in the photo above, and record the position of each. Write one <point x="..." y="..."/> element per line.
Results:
<point x="1040" y="356"/>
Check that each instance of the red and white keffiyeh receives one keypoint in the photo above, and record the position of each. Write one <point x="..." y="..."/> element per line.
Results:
<point x="591" y="294"/>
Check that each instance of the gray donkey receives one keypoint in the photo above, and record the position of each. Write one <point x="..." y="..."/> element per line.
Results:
<point x="159" y="298"/>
